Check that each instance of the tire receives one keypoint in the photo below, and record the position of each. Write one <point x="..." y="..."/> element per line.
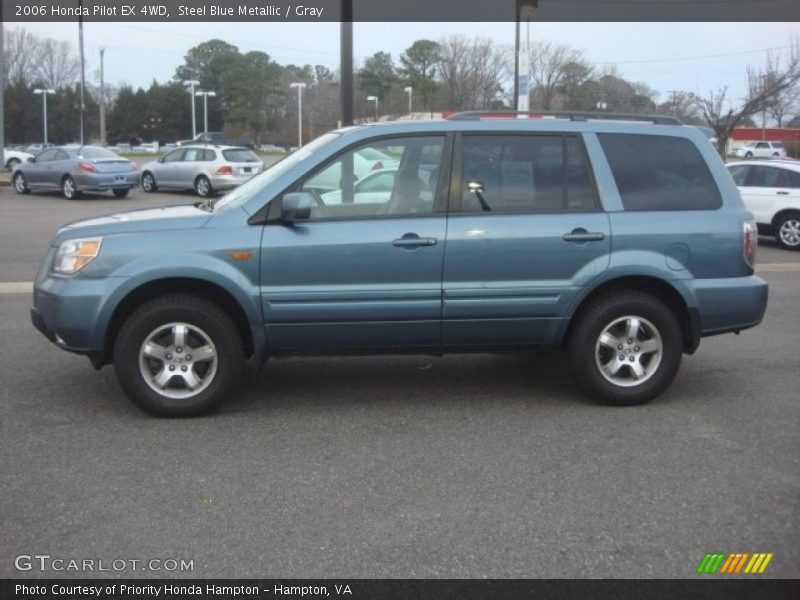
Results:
<point x="610" y="318"/>
<point x="775" y="155"/>
<point x="146" y="352"/>
<point x="121" y="193"/>
<point x="12" y="163"/>
<point x="149" y="182"/>
<point x="202" y="186"/>
<point x="787" y="231"/>
<point x="20" y="185"/>
<point x="68" y="188"/>
<point x="748" y="155"/>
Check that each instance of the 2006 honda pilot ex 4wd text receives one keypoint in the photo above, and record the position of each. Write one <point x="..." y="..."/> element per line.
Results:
<point x="621" y="240"/>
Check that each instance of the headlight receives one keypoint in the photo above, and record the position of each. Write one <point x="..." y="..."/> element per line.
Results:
<point x="73" y="255"/>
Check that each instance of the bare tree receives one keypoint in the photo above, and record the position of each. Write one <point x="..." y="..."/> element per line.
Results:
<point x="55" y="65"/>
<point x="764" y="84"/>
<point x="19" y="56"/>
<point x="472" y="73"/>
<point x="782" y="102"/>
<point x="552" y="67"/>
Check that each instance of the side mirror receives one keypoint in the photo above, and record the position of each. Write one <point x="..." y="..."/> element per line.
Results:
<point x="296" y="207"/>
<point x="32" y="159"/>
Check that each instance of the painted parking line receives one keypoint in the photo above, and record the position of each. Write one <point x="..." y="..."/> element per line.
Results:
<point x="26" y="287"/>
<point x="16" y="287"/>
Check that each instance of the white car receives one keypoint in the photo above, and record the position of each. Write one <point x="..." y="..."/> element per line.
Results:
<point x="14" y="158"/>
<point x="761" y="150"/>
<point x="771" y="191"/>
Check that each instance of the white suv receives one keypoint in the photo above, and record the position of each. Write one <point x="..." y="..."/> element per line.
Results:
<point x="761" y="150"/>
<point x="771" y="191"/>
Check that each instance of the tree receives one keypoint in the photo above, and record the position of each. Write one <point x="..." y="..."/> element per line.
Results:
<point x="794" y="123"/>
<point x="472" y="73"/>
<point x="19" y="54"/>
<point x="377" y="75"/>
<point x="764" y="84"/>
<point x="55" y="65"/>
<point x="418" y="69"/>
<point x="550" y="67"/>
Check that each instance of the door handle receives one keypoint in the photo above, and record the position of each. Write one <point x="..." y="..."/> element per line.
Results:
<point x="782" y="193"/>
<point x="412" y="240"/>
<point x="581" y="235"/>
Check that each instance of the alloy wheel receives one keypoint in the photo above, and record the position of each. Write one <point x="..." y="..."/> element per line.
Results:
<point x="628" y="351"/>
<point x="790" y="232"/>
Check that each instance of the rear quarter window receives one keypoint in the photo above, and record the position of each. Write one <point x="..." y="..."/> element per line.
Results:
<point x="655" y="172"/>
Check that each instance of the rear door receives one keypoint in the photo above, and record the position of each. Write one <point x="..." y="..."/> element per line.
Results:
<point x="525" y="233"/>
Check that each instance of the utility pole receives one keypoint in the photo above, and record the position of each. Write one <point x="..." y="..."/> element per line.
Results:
<point x="102" y="101"/>
<point x="44" y="92"/>
<point x="83" y="64"/>
<point x="346" y="61"/>
<point x="410" y="91"/>
<point x="524" y="8"/>
<point x="205" y="96"/>
<point x="2" y="93"/>
<point x="674" y="94"/>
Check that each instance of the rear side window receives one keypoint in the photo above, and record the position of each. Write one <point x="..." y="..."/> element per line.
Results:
<point x="655" y="172"/>
<point x="525" y="173"/>
<point x="240" y="155"/>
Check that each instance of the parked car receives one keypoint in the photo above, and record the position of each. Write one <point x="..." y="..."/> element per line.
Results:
<point x="760" y="150"/>
<point x="15" y="157"/>
<point x="76" y="169"/>
<point x="377" y="186"/>
<point x="201" y="168"/>
<point x="623" y="242"/>
<point x="216" y="138"/>
<point x="365" y="161"/>
<point x="35" y="149"/>
<point x="771" y="191"/>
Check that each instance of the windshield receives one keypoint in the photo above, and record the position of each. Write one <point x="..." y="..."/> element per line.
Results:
<point x="95" y="152"/>
<point x="244" y="192"/>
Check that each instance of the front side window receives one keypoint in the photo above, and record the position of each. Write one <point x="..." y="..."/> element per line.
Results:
<point x="47" y="155"/>
<point x="739" y="174"/>
<point x="174" y="156"/>
<point x="390" y="177"/>
<point x="525" y="173"/>
<point x="656" y="172"/>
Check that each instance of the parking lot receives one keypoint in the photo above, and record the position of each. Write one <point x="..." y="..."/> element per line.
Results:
<point x="413" y="466"/>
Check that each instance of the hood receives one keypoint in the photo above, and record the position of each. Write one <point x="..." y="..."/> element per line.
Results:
<point x="150" y="219"/>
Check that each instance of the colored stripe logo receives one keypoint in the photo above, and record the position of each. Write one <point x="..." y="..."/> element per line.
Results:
<point x="738" y="562"/>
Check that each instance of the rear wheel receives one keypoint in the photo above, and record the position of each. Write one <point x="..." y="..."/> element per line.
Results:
<point x="121" y="193"/>
<point x="748" y="155"/>
<point x="179" y="356"/>
<point x="202" y="186"/>
<point x="149" y="183"/>
<point x="20" y="185"/>
<point x="787" y="231"/>
<point x="69" y="189"/>
<point x="626" y="348"/>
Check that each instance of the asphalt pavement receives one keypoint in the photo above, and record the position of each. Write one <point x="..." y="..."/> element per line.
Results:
<point x="411" y="466"/>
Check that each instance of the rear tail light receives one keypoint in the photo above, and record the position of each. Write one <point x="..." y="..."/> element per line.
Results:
<point x="749" y="241"/>
<point x="377" y="166"/>
<point x="88" y="167"/>
<point x="225" y="170"/>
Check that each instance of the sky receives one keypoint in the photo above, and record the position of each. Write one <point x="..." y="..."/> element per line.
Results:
<point x="692" y="57"/>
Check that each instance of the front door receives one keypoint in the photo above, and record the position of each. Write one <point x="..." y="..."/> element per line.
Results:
<point x="360" y="275"/>
<point x="525" y="233"/>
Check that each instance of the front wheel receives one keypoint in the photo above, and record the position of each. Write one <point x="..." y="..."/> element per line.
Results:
<point x="787" y="231"/>
<point x="202" y="186"/>
<point x="149" y="183"/>
<point x="179" y="356"/>
<point x="626" y="348"/>
<point x="69" y="189"/>
<point x="20" y="185"/>
<point x="748" y="155"/>
<point x="121" y="193"/>
<point x="12" y="164"/>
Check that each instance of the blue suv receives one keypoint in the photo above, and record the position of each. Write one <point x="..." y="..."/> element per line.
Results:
<point x="621" y="240"/>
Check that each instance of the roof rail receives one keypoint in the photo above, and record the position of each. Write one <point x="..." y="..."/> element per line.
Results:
<point x="477" y="115"/>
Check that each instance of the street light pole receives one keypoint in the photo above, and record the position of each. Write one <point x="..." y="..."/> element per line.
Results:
<point x="375" y="100"/>
<point x="300" y="87"/>
<point x="410" y="91"/>
<point x="44" y="92"/>
<point x="191" y="83"/>
<point x="102" y="101"/>
<point x="205" y="96"/>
